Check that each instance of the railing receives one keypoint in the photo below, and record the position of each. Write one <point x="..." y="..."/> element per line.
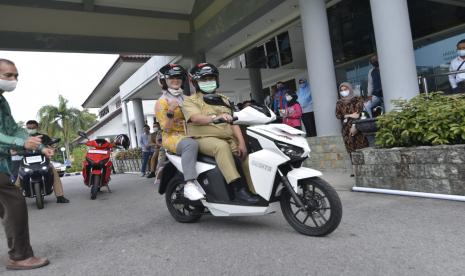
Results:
<point x="426" y="82"/>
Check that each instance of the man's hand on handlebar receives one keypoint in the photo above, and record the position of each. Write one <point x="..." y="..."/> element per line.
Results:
<point x="32" y="143"/>
<point x="48" y="152"/>
<point x="223" y="118"/>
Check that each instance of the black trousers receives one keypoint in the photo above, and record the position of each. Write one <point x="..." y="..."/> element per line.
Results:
<point x="460" y="87"/>
<point x="309" y="122"/>
<point x="13" y="212"/>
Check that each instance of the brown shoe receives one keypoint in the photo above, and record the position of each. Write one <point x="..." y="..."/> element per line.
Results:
<point x="29" y="263"/>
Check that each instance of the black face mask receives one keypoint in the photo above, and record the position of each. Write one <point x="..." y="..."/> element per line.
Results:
<point x="375" y="64"/>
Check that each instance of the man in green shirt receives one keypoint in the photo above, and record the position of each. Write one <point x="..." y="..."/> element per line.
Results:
<point x="13" y="209"/>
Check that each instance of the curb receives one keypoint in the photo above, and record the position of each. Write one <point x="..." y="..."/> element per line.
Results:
<point x="72" y="174"/>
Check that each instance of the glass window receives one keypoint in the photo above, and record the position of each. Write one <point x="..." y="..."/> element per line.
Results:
<point x="284" y="48"/>
<point x="272" y="54"/>
<point x="428" y="17"/>
<point x="351" y="30"/>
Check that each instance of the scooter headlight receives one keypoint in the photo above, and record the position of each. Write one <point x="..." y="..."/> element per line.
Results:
<point x="290" y="151"/>
<point x="26" y="170"/>
<point x="44" y="168"/>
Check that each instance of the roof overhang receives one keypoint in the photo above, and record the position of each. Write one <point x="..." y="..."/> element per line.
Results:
<point x="121" y="70"/>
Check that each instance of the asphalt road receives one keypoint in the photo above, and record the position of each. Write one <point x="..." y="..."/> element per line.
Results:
<point x="130" y="232"/>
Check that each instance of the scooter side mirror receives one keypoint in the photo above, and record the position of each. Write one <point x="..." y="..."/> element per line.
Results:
<point x="54" y="141"/>
<point x="82" y="134"/>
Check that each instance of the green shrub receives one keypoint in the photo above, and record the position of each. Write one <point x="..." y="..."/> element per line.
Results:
<point x="425" y="120"/>
<point x="78" y="156"/>
<point x="129" y="154"/>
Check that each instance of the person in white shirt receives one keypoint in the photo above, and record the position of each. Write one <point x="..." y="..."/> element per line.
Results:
<point x="457" y="81"/>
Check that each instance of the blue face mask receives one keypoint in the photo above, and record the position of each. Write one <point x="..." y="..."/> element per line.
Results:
<point x="461" y="53"/>
<point x="302" y="85"/>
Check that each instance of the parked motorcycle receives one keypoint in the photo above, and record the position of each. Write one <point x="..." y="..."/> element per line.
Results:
<point x="276" y="153"/>
<point x="97" y="167"/>
<point x="36" y="175"/>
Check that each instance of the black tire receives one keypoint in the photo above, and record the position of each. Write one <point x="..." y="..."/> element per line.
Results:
<point x="39" y="195"/>
<point x="95" y="186"/>
<point x="322" y="200"/>
<point x="180" y="207"/>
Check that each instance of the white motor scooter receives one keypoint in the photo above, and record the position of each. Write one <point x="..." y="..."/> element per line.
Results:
<point x="276" y="153"/>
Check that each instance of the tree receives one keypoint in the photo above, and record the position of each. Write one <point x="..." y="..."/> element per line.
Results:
<point x="64" y="122"/>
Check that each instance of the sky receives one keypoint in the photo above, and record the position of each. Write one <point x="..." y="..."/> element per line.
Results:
<point x="44" y="75"/>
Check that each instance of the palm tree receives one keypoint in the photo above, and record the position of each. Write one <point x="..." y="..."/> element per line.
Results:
<point x="63" y="121"/>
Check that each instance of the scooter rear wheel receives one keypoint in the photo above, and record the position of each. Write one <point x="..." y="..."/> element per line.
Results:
<point x="323" y="212"/>
<point x="39" y="195"/>
<point x="182" y="209"/>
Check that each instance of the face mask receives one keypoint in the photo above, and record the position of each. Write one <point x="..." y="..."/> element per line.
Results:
<point x="302" y="85"/>
<point x="207" y="86"/>
<point x="31" y="131"/>
<point x="155" y="129"/>
<point x="288" y="98"/>
<point x="175" y="92"/>
<point x="461" y="53"/>
<point x="7" y="85"/>
<point x="344" y="93"/>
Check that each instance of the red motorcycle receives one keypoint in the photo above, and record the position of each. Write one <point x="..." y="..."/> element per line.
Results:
<point x="97" y="167"/>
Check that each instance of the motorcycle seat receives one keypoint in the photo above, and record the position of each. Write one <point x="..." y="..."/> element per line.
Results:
<point x="206" y="159"/>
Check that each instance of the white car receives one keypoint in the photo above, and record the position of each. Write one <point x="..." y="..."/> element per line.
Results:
<point x="61" y="169"/>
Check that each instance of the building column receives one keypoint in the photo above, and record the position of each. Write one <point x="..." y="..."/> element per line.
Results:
<point x="394" y="45"/>
<point x="195" y="59"/>
<point x="150" y="119"/>
<point x="139" y="119"/>
<point x="134" y="141"/>
<point x="256" y="86"/>
<point x="199" y="58"/>
<point x="321" y="74"/>
<point x="128" y="124"/>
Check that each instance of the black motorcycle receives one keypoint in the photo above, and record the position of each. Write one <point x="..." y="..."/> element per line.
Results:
<point x="36" y="175"/>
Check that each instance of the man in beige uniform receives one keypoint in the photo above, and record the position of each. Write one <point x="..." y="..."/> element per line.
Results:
<point x="155" y="142"/>
<point x="217" y="140"/>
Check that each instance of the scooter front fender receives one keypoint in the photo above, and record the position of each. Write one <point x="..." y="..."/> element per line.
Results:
<point x="301" y="173"/>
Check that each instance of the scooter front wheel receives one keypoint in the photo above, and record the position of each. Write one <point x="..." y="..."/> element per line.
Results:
<point x="39" y="195"/>
<point x="95" y="186"/>
<point x="181" y="208"/>
<point x="323" y="209"/>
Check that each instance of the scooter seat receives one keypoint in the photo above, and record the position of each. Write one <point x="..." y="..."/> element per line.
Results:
<point x="206" y="159"/>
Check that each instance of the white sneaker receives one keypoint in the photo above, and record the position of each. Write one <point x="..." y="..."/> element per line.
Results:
<point x="199" y="187"/>
<point x="191" y="192"/>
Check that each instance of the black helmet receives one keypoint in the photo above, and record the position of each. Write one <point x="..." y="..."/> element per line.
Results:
<point x="171" y="70"/>
<point x="202" y="70"/>
<point x="122" y="140"/>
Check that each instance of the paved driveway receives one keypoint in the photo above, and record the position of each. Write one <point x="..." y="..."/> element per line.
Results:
<point x="130" y="232"/>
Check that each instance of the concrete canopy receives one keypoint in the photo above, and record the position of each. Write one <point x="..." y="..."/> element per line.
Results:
<point x="158" y="27"/>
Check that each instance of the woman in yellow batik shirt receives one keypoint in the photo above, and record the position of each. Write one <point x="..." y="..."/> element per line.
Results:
<point x="168" y="112"/>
